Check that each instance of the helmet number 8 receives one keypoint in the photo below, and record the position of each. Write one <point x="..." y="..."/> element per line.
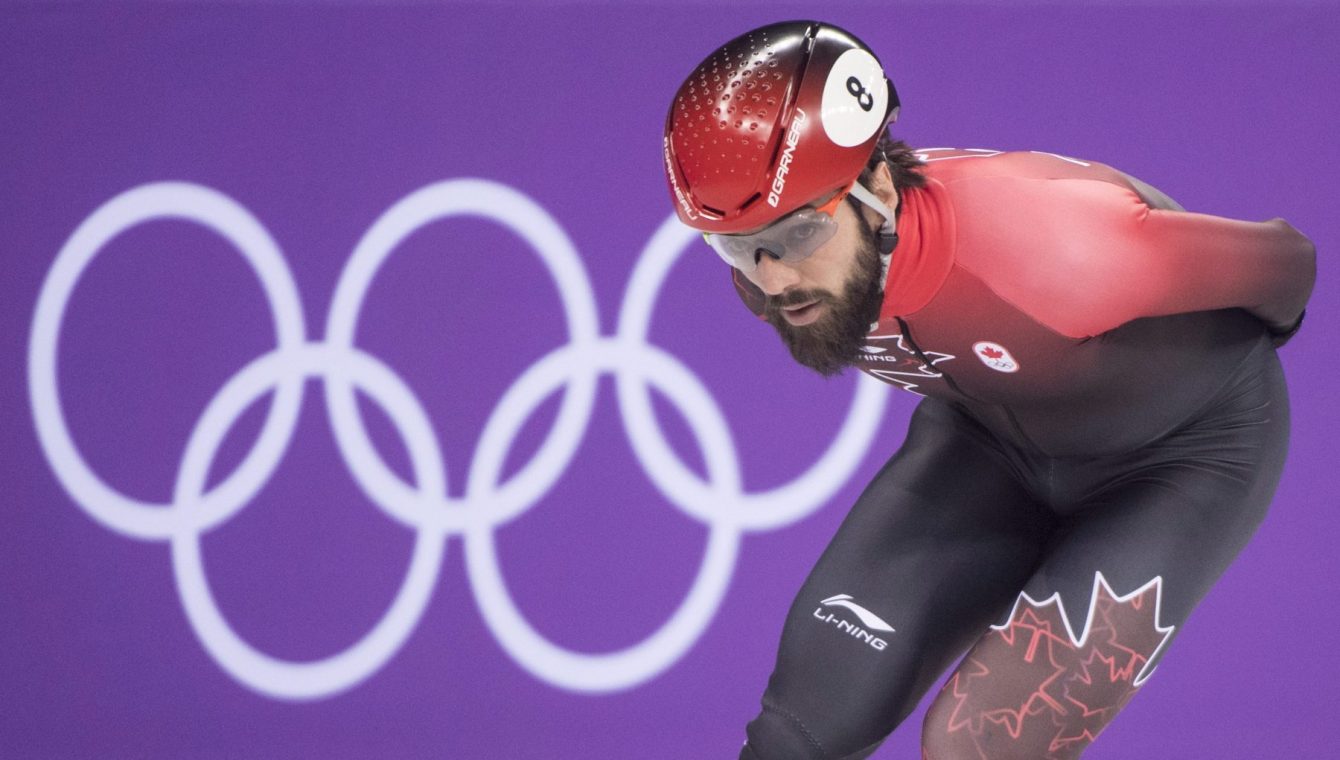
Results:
<point x="863" y="97"/>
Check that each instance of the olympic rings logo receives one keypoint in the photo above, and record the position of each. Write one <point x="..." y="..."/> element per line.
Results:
<point x="719" y="501"/>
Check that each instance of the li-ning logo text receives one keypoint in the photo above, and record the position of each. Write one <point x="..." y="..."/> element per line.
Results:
<point x="784" y="166"/>
<point x="869" y="619"/>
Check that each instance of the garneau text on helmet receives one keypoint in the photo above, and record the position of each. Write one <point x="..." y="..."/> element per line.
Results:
<point x="674" y="183"/>
<point x="784" y="166"/>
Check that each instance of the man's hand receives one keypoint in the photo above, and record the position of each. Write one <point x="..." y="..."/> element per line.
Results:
<point x="1279" y="335"/>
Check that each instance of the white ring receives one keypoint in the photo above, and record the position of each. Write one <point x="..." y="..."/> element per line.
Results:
<point x="162" y="200"/>
<point x="522" y="216"/>
<point x="660" y="650"/>
<point x="266" y="674"/>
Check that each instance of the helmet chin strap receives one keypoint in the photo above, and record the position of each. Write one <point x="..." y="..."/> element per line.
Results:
<point x="888" y="232"/>
<point x="887" y="235"/>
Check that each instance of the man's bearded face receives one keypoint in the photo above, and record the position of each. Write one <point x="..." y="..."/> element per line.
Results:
<point x="833" y="342"/>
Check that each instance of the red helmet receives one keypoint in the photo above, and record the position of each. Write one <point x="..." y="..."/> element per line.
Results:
<point x="772" y="120"/>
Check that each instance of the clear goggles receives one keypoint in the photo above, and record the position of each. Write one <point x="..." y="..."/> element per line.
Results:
<point x="794" y="237"/>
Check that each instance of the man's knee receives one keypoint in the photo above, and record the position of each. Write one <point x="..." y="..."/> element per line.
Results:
<point x="779" y="734"/>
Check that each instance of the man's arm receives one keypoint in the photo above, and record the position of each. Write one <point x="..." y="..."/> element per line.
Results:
<point x="1155" y="198"/>
<point x="1116" y="258"/>
<point x="1267" y="268"/>
<point x="1092" y="249"/>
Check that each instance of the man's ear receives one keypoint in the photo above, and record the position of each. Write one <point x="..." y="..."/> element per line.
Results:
<point x="881" y="184"/>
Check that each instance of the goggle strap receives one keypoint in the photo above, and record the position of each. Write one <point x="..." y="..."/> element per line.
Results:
<point x="830" y="207"/>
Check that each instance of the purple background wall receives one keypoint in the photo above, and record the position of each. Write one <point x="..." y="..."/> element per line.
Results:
<point x="316" y="119"/>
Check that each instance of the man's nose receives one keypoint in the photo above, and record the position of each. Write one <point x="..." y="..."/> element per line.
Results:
<point x="773" y="276"/>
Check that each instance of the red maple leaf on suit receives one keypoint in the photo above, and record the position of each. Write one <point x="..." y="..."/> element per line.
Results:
<point x="1128" y="632"/>
<point x="1031" y="689"/>
<point x="1094" y="695"/>
<point x="991" y="353"/>
<point x="1039" y="730"/>
<point x="1030" y="648"/>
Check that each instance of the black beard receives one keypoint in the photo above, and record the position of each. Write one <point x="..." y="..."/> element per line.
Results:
<point x="833" y="342"/>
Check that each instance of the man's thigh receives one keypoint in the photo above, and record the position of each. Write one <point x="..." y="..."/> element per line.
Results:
<point x="936" y="548"/>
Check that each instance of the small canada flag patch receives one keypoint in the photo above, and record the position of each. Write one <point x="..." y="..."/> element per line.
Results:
<point x="995" y="356"/>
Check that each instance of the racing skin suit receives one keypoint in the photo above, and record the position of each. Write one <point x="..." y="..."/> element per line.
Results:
<point x="1104" y="424"/>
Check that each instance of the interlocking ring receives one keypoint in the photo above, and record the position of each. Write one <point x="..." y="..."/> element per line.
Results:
<point x="718" y="500"/>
